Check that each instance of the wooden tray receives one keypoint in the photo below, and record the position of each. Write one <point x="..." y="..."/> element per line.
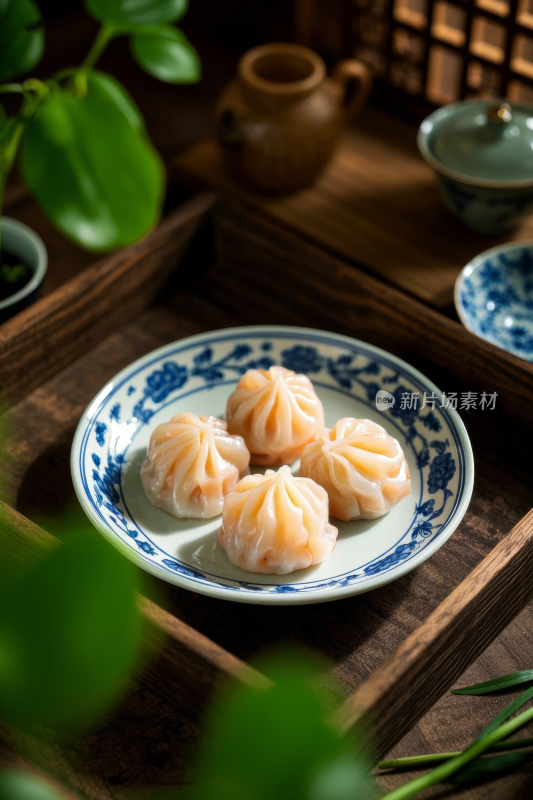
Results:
<point x="269" y="274"/>
<point x="377" y="206"/>
<point x="390" y="668"/>
<point x="82" y="311"/>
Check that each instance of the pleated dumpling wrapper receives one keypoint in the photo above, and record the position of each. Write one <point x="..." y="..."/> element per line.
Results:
<point x="192" y="463"/>
<point x="277" y="412"/>
<point x="362" y="468"/>
<point x="276" y="523"/>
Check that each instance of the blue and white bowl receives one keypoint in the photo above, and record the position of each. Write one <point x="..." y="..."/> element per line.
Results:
<point x="494" y="297"/>
<point x="198" y="374"/>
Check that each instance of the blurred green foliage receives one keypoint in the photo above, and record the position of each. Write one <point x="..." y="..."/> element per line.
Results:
<point x="70" y="152"/>
<point x="165" y="52"/>
<point x="127" y="13"/>
<point x="276" y="743"/>
<point x="85" y="152"/>
<point x="21" y="37"/>
<point x="18" y="785"/>
<point x="69" y="631"/>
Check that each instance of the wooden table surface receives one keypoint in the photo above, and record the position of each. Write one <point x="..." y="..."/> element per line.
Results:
<point x="377" y="205"/>
<point x="146" y="742"/>
<point x="355" y="634"/>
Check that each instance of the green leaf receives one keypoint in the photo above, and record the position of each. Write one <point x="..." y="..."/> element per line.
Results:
<point x="343" y="778"/>
<point x="274" y="742"/>
<point x="18" y="785"/>
<point x="507" y="712"/>
<point x="21" y="37"/>
<point x="118" y="95"/>
<point x="125" y="13"/>
<point x="69" y="630"/>
<point x="493" y="685"/>
<point x="92" y="168"/>
<point x="444" y="771"/>
<point x="491" y="767"/>
<point x="166" y="53"/>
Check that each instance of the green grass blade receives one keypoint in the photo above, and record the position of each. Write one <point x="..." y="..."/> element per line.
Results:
<point x="444" y="771"/>
<point x="507" y="712"/>
<point x="495" y="684"/>
<point x="504" y="715"/>
<point x="487" y="768"/>
<point x="420" y="762"/>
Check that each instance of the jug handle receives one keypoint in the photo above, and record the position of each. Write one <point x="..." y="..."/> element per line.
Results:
<point x="356" y="80"/>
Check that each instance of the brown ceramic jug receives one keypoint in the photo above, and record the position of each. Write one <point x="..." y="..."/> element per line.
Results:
<point x="279" y="119"/>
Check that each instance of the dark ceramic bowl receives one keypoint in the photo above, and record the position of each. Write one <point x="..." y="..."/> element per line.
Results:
<point x="22" y="241"/>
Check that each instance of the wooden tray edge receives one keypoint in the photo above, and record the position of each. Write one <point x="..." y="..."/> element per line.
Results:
<point x="401" y="690"/>
<point x="46" y="337"/>
<point x="183" y="669"/>
<point x="291" y="273"/>
<point x="431" y="659"/>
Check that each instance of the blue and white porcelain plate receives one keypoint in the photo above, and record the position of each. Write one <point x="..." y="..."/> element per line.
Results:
<point x="494" y="297"/>
<point x="198" y="374"/>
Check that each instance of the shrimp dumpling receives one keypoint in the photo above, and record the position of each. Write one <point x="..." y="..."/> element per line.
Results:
<point x="276" y="523"/>
<point x="362" y="468"/>
<point x="277" y="412"/>
<point x="191" y="465"/>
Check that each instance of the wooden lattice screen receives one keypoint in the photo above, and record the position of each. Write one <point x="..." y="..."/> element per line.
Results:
<point x="438" y="51"/>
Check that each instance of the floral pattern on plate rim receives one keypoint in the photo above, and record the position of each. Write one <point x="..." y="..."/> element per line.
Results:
<point x="349" y="370"/>
<point x="498" y="289"/>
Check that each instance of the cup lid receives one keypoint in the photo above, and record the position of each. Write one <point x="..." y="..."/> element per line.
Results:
<point x="486" y="142"/>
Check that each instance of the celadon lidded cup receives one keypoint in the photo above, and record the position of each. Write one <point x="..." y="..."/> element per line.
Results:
<point x="482" y="152"/>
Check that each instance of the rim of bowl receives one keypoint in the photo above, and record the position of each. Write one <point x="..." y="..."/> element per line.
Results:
<point x="40" y="269"/>
<point x="461" y="177"/>
<point x="473" y="264"/>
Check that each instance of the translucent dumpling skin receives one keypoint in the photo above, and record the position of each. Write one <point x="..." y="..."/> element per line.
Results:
<point x="192" y="463"/>
<point x="276" y="523"/>
<point x="277" y="412"/>
<point x="362" y="468"/>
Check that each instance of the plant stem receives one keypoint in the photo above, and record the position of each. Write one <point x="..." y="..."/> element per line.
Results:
<point x="79" y="76"/>
<point x="431" y="758"/>
<point x="103" y="37"/>
<point x="10" y="150"/>
<point x="35" y="92"/>
<point x="444" y="771"/>
<point x="7" y="157"/>
<point x="37" y="86"/>
<point x="10" y="87"/>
